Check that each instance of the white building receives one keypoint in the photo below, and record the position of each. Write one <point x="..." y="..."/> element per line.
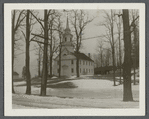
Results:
<point x="68" y="58"/>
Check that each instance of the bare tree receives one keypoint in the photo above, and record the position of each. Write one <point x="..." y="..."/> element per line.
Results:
<point x="29" y="26"/>
<point x="45" y="73"/>
<point x="135" y="42"/>
<point x="96" y="59"/>
<point x="100" y="51"/>
<point x="119" y="25"/>
<point x="109" y="25"/>
<point x="79" y="21"/>
<point x="17" y="20"/>
<point x="127" y="94"/>
<point x="108" y="55"/>
<point x="60" y="33"/>
<point x="39" y="53"/>
<point x="28" y="90"/>
<point x="53" y="39"/>
<point x="45" y="28"/>
<point x="24" y="72"/>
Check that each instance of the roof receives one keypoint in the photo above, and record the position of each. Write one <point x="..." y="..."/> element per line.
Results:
<point x="15" y="73"/>
<point x="82" y="56"/>
<point x="105" y="68"/>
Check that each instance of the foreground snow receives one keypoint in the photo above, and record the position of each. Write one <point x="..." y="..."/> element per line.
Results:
<point x="90" y="93"/>
<point x="32" y="101"/>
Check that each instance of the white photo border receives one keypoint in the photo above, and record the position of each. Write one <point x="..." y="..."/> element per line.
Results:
<point x="8" y="7"/>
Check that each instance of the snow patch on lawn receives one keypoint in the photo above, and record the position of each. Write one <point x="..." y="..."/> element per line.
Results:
<point x="92" y="84"/>
<point x="54" y="77"/>
<point x="19" y="83"/>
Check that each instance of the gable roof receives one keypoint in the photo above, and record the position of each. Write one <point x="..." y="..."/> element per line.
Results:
<point x="82" y="56"/>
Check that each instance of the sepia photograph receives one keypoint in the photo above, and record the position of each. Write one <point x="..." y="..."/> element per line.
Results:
<point x="60" y="56"/>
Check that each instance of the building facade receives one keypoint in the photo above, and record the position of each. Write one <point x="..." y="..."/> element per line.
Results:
<point x="68" y="58"/>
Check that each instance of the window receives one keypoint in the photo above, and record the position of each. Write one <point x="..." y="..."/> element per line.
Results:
<point x="70" y="39"/>
<point x="89" y="70"/>
<point x="80" y="61"/>
<point x="65" y="39"/>
<point x="83" y="62"/>
<point x="71" y="61"/>
<point x="80" y="70"/>
<point x="89" y="63"/>
<point x="64" y="54"/>
<point x="72" y="70"/>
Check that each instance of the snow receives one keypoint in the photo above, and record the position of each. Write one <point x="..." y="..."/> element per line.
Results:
<point x="72" y="77"/>
<point x="53" y="77"/>
<point x="19" y="83"/>
<point x="93" y="84"/>
<point x="81" y="76"/>
<point x="23" y="107"/>
<point x="90" y="93"/>
<point x="33" y="101"/>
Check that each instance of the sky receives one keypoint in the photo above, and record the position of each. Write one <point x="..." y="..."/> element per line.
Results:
<point x="89" y="46"/>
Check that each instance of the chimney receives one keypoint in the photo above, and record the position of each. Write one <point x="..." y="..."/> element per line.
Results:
<point x="89" y="55"/>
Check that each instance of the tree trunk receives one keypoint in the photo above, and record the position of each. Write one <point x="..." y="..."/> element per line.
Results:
<point x="28" y="81"/>
<point x="39" y="63"/>
<point x="77" y="58"/>
<point x="77" y="66"/>
<point x="113" y="47"/>
<point x="51" y="64"/>
<point x="134" y="63"/>
<point x="113" y="57"/>
<point x="101" y="57"/>
<point x="44" y="76"/>
<point x="120" y="62"/>
<point x="13" y="42"/>
<point x="127" y="93"/>
<point x="51" y="52"/>
<point x="60" y="50"/>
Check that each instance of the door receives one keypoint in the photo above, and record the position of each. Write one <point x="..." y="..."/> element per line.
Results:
<point x="65" y="70"/>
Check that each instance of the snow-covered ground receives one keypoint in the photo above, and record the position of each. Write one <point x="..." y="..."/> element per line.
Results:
<point x="32" y="101"/>
<point x="89" y="93"/>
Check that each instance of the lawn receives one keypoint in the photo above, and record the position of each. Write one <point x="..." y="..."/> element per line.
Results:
<point x="84" y="92"/>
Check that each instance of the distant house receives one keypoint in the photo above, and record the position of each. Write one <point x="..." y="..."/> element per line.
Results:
<point x="104" y="70"/>
<point x="68" y="58"/>
<point x="15" y="75"/>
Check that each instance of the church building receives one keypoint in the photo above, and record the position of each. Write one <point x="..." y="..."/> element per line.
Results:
<point x="68" y="58"/>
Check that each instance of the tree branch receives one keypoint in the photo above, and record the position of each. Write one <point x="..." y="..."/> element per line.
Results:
<point x="38" y="35"/>
<point x="40" y="42"/>
<point x="37" y="20"/>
